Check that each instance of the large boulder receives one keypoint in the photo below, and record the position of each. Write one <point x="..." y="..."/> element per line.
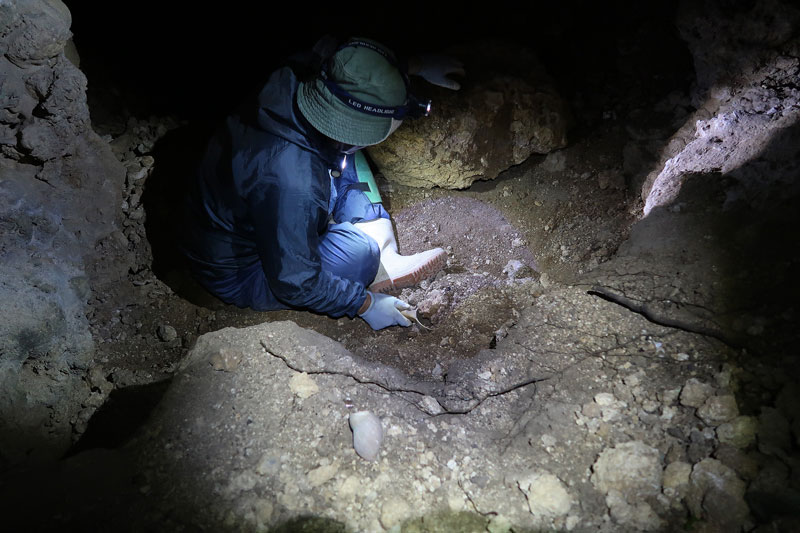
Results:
<point x="506" y="110"/>
<point x="60" y="190"/>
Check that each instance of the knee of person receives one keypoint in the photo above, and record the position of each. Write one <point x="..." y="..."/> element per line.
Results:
<point x="368" y="251"/>
<point x="367" y="254"/>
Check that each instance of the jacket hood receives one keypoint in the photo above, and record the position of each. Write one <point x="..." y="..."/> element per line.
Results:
<point x="279" y="115"/>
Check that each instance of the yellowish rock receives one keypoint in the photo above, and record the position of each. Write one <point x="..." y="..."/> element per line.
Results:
<point x="303" y="385"/>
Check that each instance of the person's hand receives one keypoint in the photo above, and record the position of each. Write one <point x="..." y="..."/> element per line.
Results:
<point x="384" y="311"/>
<point x="435" y="69"/>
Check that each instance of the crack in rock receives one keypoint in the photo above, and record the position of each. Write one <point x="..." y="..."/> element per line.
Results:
<point x="646" y="310"/>
<point x="428" y="393"/>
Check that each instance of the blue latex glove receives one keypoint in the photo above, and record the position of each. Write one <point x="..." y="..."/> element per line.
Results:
<point x="435" y="69"/>
<point x="384" y="311"/>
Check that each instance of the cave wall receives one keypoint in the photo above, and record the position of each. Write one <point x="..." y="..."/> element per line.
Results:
<point x="60" y="188"/>
<point x="746" y="94"/>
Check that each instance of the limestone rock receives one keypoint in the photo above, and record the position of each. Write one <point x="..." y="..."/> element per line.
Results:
<point x="718" y="409"/>
<point x="506" y="110"/>
<point x="638" y="515"/>
<point x="744" y="464"/>
<point x="166" y="333"/>
<point x="41" y="31"/>
<point x="547" y="496"/>
<point x="739" y="432"/>
<point x="695" y="393"/>
<point x="739" y="69"/>
<point x="676" y="479"/>
<point x="59" y="194"/>
<point x="303" y="385"/>
<point x="322" y="474"/>
<point x="701" y="443"/>
<point x="632" y="468"/>
<point x="393" y="512"/>
<point x="716" y="495"/>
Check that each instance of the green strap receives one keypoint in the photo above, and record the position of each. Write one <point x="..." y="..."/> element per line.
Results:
<point x="366" y="179"/>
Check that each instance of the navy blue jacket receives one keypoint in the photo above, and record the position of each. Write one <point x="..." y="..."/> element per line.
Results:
<point x="262" y="195"/>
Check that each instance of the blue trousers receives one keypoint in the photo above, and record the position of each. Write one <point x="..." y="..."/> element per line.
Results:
<point x="344" y="250"/>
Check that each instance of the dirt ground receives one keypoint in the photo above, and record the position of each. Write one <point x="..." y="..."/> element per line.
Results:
<point x="546" y="219"/>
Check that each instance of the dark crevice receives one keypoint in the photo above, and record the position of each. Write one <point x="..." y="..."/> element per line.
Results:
<point x="118" y="419"/>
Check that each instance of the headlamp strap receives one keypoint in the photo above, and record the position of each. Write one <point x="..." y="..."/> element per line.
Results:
<point x="395" y="112"/>
<point x="412" y="108"/>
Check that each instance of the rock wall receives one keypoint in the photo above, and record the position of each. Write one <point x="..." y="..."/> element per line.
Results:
<point x="60" y="188"/>
<point x="507" y="109"/>
<point x="746" y="95"/>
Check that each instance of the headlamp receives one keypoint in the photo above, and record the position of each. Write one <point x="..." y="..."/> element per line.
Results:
<point x="418" y="108"/>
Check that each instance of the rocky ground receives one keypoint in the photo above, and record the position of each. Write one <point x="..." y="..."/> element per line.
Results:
<point x="527" y="399"/>
<point x="578" y="366"/>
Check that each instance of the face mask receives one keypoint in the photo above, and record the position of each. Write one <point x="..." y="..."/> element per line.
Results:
<point x="349" y="149"/>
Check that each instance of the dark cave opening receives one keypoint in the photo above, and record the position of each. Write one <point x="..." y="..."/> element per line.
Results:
<point x="199" y="63"/>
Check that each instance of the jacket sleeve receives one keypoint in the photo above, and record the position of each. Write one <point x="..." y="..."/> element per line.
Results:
<point x="287" y="203"/>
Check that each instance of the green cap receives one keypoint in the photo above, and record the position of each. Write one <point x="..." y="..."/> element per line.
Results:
<point x="368" y="76"/>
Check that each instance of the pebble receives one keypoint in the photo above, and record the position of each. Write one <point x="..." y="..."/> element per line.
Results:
<point x="637" y="515"/>
<point x="166" y="333"/>
<point x="393" y="512"/>
<point x="430" y="405"/>
<point x="572" y="522"/>
<point x="632" y="468"/>
<point x="739" y="432"/>
<point x="701" y="444"/>
<point x="548" y="440"/>
<point x="695" y="393"/>
<point x="676" y="479"/>
<point x="650" y="406"/>
<point x="322" y="474"/>
<point x="716" y="495"/>
<point x="135" y="174"/>
<point x="591" y="410"/>
<point x="718" y="409"/>
<point x="350" y="487"/>
<point x="303" y="385"/>
<point x="243" y="482"/>
<point x="604" y="399"/>
<point x="547" y="495"/>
